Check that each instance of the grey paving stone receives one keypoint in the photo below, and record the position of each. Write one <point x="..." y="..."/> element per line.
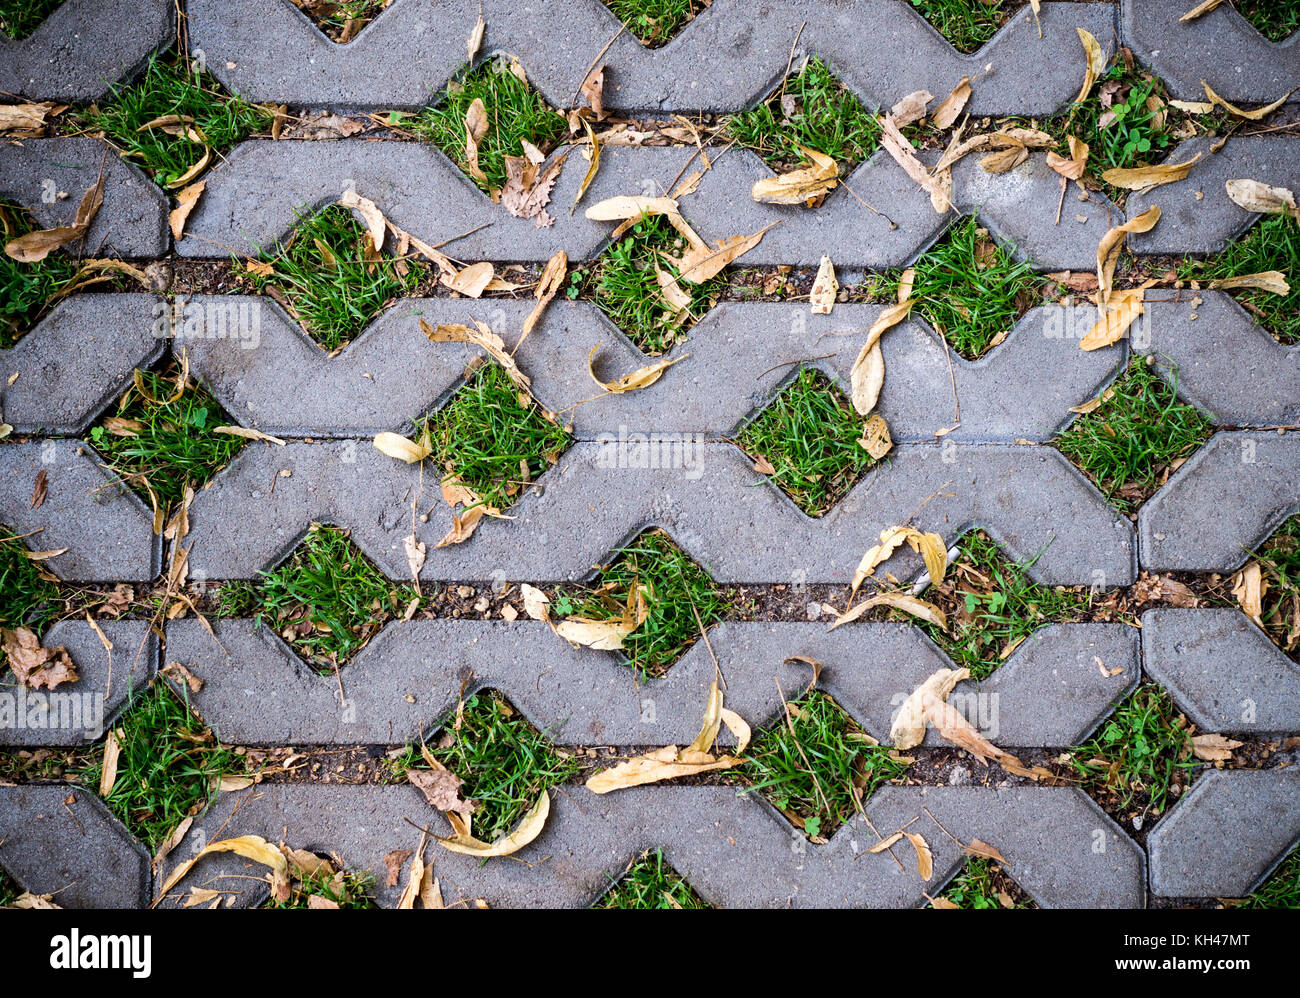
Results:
<point x="83" y="48"/>
<point x="1220" y="47"/>
<point x="80" y="712"/>
<point x="1196" y="214"/>
<point x="257" y="691"/>
<point x="1223" y="671"/>
<point x="59" y="839"/>
<point x="48" y="177"/>
<point x="1228" y="498"/>
<point x="735" y="850"/>
<point x="77" y="362"/>
<point x="738" y="357"/>
<point x="1226" y="834"/>
<point x="107" y="530"/>
<point x="1220" y="360"/>
<point x="726" y="59"/>
<point x="740" y="527"/>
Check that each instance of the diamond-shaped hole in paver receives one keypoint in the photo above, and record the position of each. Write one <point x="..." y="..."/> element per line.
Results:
<point x="983" y="883"/>
<point x="656" y="22"/>
<point x="29" y="290"/>
<point x="991" y="605"/>
<point x="1139" y="434"/>
<point x="678" y="599"/>
<point x="810" y="108"/>
<point x="1139" y="762"/>
<point x="1273" y="244"/>
<point x="173" y="153"/>
<point x="327" y="599"/>
<point x="1279" y="562"/>
<point x="19" y="18"/>
<point x="341" y="20"/>
<point x="318" y="875"/>
<point x="493" y="438"/>
<point x="516" y="113"/>
<point x="650" y="882"/>
<point x="808" y="434"/>
<point x="966" y="24"/>
<point x="159" y="438"/>
<point x="503" y="763"/>
<point x="330" y="278"/>
<point x="1276" y="20"/>
<point x="815" y="763"/>
<point x="971" y="289"/>
<point x="636" y="283"/>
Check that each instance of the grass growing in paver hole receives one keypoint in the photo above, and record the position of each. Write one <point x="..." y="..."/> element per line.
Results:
<point x="1139" y="754"/>
<point x="983" y="883"/>
<point x="19" y="18"/>
<point x="676" y="589"/>
<point x="809" y="434"/>
<point x="505" y="762"/>
<point x="970" y="288"/>
<point x="625" y="287"/>
<point x="10" y="891"/>
<point x="331" y="277"/>
<point x="27" y="597"/>
<point x="160" y="441"/>
<point x="967" y="24"/>
<point x="327" y="599"/>
<point x="993" y="605"/>
<point x="1128" y="444"/>
<point x="1276" y="20"/>
<point x="486" y="433"/>
<point x="651" y="883"/>
<point x="1280" y="890"/>
<point x="169" y="86"/>
<point x="1279" y="560"/>
<point x="516" y="112"/>
<point x="823" y="114"/>
<point x="1273" y="244"/>
<point x="333" y="16"/>
<point x="168" y="762"/>
<point x="815" y="774"/>
<point x="655" y="22"/>
<point x="348" y="889"/>
<point x="27" y="289"/>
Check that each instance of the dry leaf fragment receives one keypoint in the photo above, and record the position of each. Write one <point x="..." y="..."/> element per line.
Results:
<point x="897" y="601"/>
<point x="946" y="113"/>
<point x="547" y="285"/>
<point x="1214" y="748"/>
<point x="1255" y="115"/>
<point x="36" y="667"/>
<point x="1144" y="177"/>
<point x="1117" y="315"/>
<point x="24" y="117"/>
<point x="1112" y="243"/>
<point x="885" y="843"/>
<point x="924" y="858"/>
<point x="642" y="377"/>
<point x="701" y="262"/>
<point x="376" y="224"/>
<point x="603" y="635"/>
<point x="1072" y="168"/>
<point x="875" y="439"/>
<point x="397" y="446"/>
<point x="527" y="190"/>
<point x="908" y="728"/>
<point x="248" y="434"/>
<point x="867" y="376"/>
<point x="464" y="525"/>
<point x="900" y="149"/>
<point x="593" y="89"/>
<point x="911" y="108"/>
<point x="528" y="829"/>
<point x="472" y="281"/>
<point x="185" y="202"/>
<point x="476" y="129"/>
<point x="475" y="40"/>
<point x="953" y="727"/>
<point x="984" y="851"/>
<point x="441" y="788"/>
<point x="1255" y="196"/>
<point x="108" y="768"/>
<point x="1095" y="62"/>
<point x="480" y="336"/>
<point x="1248" y="587"/>
<point x="36" y="246"/>
<point x="824" y="288"/>
<point x="536" y="603"/>
<point x="252" y="847"/>
<point x="802" y="185"/>
<point x="1199" y="9"/>
<point x="1266" y="280"/>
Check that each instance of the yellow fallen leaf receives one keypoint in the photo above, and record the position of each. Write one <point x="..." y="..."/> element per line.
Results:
<point x="1248" y="586"/>
<point x="802" y="185"/>
<point x="824" y="288"/>
<point x="946" y="113"/>
<point x="476" y="129"/>
<point x="193" y="171"/>
<point x="36" y="246"/>
<point x="1142" y="177"/>
<point x="481" y="336"/>
<point x="475" y="40"/>
<point x="954" y="728"/>
<point x="472" y="281"/>
<point x="1004" y="160"/>
<point x="1112" y="243"/>
<point x="1256" y="196"/>
<point x="1071" y="168"/>
<point x="908" y="728"/>
<point x="252" y="847"/>
<point x="1214" y="748"/>
<point x="642" y="377"/>
<point x="1255" y="115"/>
<point x="603" y="635"/>
<point x="875" y="439"/>
<point x="1199" y="9"/>
<point x="626" y="206"/>
<point x="701" y="262"/>
<point x="248" y="434"/>
<point x="867" y="376"/>
<point x="885" y="843"/>
<point x="1266" y="280"/>
<point x="900" y="150"/>
<point x="1117" y="315"/>
<point x="398" y="446"/>
<point x="924" y="858"/>
<point x="108" y="768"/>
<point x="185" y="202"/>
<point x="591" y="170"/>
<point x="547" y="285"/>
<point x="528" y="829"/>
<point x="667" y="763"/>
<point x="1095" y="62"/>
<point x="897" y="601"/>
<point x="463" y="525"/>
<point x="376" y="224"/>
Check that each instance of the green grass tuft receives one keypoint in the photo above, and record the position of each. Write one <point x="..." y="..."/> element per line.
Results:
<point x="1142" y="751"/>
<point x="824" y="115"/>
<point x="676" y="590"/>
<point x="333" y="281"/>
<point x="487" y="431"/>
<point x="842" y="765"/>
<point x="1280" y="890"/>
<point x="19" y="18"/>
<point x="328" y="583"/>
<point x="655" y="22"/>
<point x="977" y="885"/>
<point x="651" y="883"/>
<point x="970" y="288"/>
<point x="810" y="436"/>
<point x="1279" y="559"/>
<point x="166" y="767"/>
<point x="332" y="18"/>
<point x="515" y="111"/>
<point x="26" y="289"/>
<point x="505" y="762"/>
<point x="348" y="889"/>
<point x="626" y="289"/>
<point x="1273" y="244"/>
<point x="1126" y="445"/>
<point x="1276" y="20"/>
<point x="27" y="599"/>
<point x="169" y="86"/>
<point x="173" y="444"/>
<point x="967" y="24"/>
